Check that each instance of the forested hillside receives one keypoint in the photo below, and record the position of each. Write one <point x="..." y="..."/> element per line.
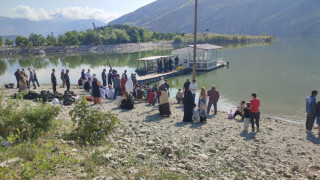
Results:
<point x="254" y="17"/>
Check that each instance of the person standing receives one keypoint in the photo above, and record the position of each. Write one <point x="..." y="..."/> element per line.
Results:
<point x="117" y="86"/>
<point x="164" y="106"/>
<point x="214" y="96"/>
<point x="67" y="79"/>
<point x="83" y="76"/>
<point x="35" y="77"/>
<point x="104" y="77"/>
<point x="310" y="110"/>
<point x="188" y="105"/>
<point x="88" y="74"/>
<point x="160" y="66"/>
<point x="193" y="89"/>
<point x="31" y="78"/>
<point x="176" y="61"/>
<point x="125" y="74"/>
<point x="254" y="111"/>
<point x="62" y="78"/>
<point x="161" y="82"/>
<point x="203" y="105"/>
<point x="54" y="81"/>
<point x="186" y="86"/>
<point x="95" y="91"/>
<point x="123" y="84"/>
<point x="166" y="84"/>
<point x="110" y="77"/>
<point x="17" y="75"/>
<point x="318" y="116"/>
<point x="170" y="62"/>
<point x="22" y="82"/>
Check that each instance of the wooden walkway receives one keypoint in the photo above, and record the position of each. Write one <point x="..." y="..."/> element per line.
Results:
<point x="150" y="78"/>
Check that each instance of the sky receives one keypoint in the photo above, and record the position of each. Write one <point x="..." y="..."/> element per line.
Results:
<point x="102" y="10"/>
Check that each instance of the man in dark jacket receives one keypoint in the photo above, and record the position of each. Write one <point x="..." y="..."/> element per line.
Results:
<point x="54" y="81"/>
<point x="17" y="75"/>
<point x="67" y="79"/>
<point x="214" y="95"/>
<point x="104" y="77"/>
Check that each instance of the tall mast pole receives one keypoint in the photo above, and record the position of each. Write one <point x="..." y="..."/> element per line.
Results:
<point x="195" y="40"/>
<point x="104" y="50"/>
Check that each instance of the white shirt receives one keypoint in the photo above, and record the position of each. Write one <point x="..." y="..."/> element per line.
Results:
<point x="161" y="82"/>
<point x="193" y="88"/>
<point x="88" y="75"/>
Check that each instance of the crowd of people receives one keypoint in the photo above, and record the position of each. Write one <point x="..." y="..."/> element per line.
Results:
<point x="24" y="80"/>
<point x="167" y="65"/>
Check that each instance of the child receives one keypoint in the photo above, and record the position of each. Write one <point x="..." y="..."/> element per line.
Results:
<point x="179" y="96"/>
<point x="240" y="110"/>
<point x="246" y="116"/>
<point x="318" y="116"/>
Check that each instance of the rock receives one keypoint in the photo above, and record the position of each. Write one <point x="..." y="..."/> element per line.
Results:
<point x="287" y="175"/>
<point x="173" y="169"/>
<point x="150" y="143"/>
<point x="134" y="171"/>
<point x="166" y="150"/>
<point x="197" y="145"/>
<point x="108" y="157"/>
<point x="315" y="167"/>
<point x="203" y="157"/>
<point x="74" y="150"/>
<point x="141" y="156"/>
<point x="10" y="161"/>
<point x="295" y="168"/>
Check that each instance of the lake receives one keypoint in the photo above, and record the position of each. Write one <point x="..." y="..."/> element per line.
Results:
<point x="282" y="74"/>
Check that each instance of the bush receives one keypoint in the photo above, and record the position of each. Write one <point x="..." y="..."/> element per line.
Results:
<point x="90" y="124"/>
<point x="178" y="39"/>
<point x="20" y="118"/>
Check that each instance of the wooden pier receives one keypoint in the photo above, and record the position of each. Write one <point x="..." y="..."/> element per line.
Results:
<point x="154" y="77"/>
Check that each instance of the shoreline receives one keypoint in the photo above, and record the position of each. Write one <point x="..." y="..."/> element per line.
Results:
<point x="217" y="149"/>
<point x="96" y="49"/>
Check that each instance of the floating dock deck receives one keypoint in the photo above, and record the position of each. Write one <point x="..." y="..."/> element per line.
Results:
<point x="154" y="77"/>
<point x="150" y="78"/>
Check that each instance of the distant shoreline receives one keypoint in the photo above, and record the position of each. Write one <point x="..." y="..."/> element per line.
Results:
<point x="96" y="49"/>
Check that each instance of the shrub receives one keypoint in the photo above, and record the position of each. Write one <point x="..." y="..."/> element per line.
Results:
<point x="90" y="124"/>
<point x="178" y="39"/>
<point x="20" y="118"/>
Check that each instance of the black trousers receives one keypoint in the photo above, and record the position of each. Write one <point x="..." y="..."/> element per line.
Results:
<point x="255" y="116"/>
<point x="104" y="82"/>
<point x="310" y="121"/>
<point x="18" y="85"/>
<point x="36" y="80"/>
<point x="68" y="85"/>
<point x="176" y="64"/>
<point x="237" y="113"/>
<point x="54" y="86"/>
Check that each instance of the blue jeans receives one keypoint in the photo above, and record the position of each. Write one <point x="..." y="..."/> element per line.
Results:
<point x="194" y="98"/>
<point x="214" y="106"/>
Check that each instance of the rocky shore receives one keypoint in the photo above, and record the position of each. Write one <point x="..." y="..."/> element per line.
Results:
<point x="68" y="50"/>
<point x="146" y="144"/>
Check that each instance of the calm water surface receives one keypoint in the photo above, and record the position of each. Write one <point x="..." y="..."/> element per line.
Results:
<point x="282" y="74"/>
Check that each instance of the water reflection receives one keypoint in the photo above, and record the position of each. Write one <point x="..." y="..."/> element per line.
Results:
<point x="3" y="67"/>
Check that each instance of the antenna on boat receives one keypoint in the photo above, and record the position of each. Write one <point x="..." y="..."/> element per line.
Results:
<point x="195" y="40"/>
<point x="104" y="50"/>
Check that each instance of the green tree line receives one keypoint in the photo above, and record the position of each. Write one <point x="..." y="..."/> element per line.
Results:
<point x="109" y="35"/>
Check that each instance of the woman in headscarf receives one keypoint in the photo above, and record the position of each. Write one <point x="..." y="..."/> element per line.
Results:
<point x="96" y="91"/>
<point x="164" y="107"/>
<point x="188" y="105"/>
<point x="203" y="105"/>
<point x="22" y="82"/>
<point x="129" y="86"/>
<point x="123" y="84"/>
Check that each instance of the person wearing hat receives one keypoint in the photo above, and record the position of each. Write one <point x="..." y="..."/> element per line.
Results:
<point x="67" y="79"/>
<point x="214" y="95"/>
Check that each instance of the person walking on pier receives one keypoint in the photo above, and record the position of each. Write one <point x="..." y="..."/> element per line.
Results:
<point x="54" y="81"/>
<point x="176" y="61"/>
<point x="310" y="110"/>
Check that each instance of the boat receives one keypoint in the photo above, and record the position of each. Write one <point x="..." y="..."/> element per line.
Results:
<point x="209" y="57"/>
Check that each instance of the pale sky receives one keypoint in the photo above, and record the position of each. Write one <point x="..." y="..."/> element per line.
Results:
<point x="103" y="10"/>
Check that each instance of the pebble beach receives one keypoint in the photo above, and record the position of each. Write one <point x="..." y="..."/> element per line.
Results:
<point x="218" y="149"/>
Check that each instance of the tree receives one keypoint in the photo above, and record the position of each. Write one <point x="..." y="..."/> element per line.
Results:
<point x="71" y="38"/>
<point x="1" y="41"/>
<point x="52" y="41"/>
<point x="37" y="39"/>
<point x="178" y="39"/>
<point x="8" y="42"/>
<point x="122" y="36"/>
<point x="20" y="40"/>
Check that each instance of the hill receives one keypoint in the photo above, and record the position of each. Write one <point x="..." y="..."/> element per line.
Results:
<point x="20" y="26"/>
<point x="289" y="17"/>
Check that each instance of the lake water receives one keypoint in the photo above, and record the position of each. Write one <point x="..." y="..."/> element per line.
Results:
<point x="282" y="74"/>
